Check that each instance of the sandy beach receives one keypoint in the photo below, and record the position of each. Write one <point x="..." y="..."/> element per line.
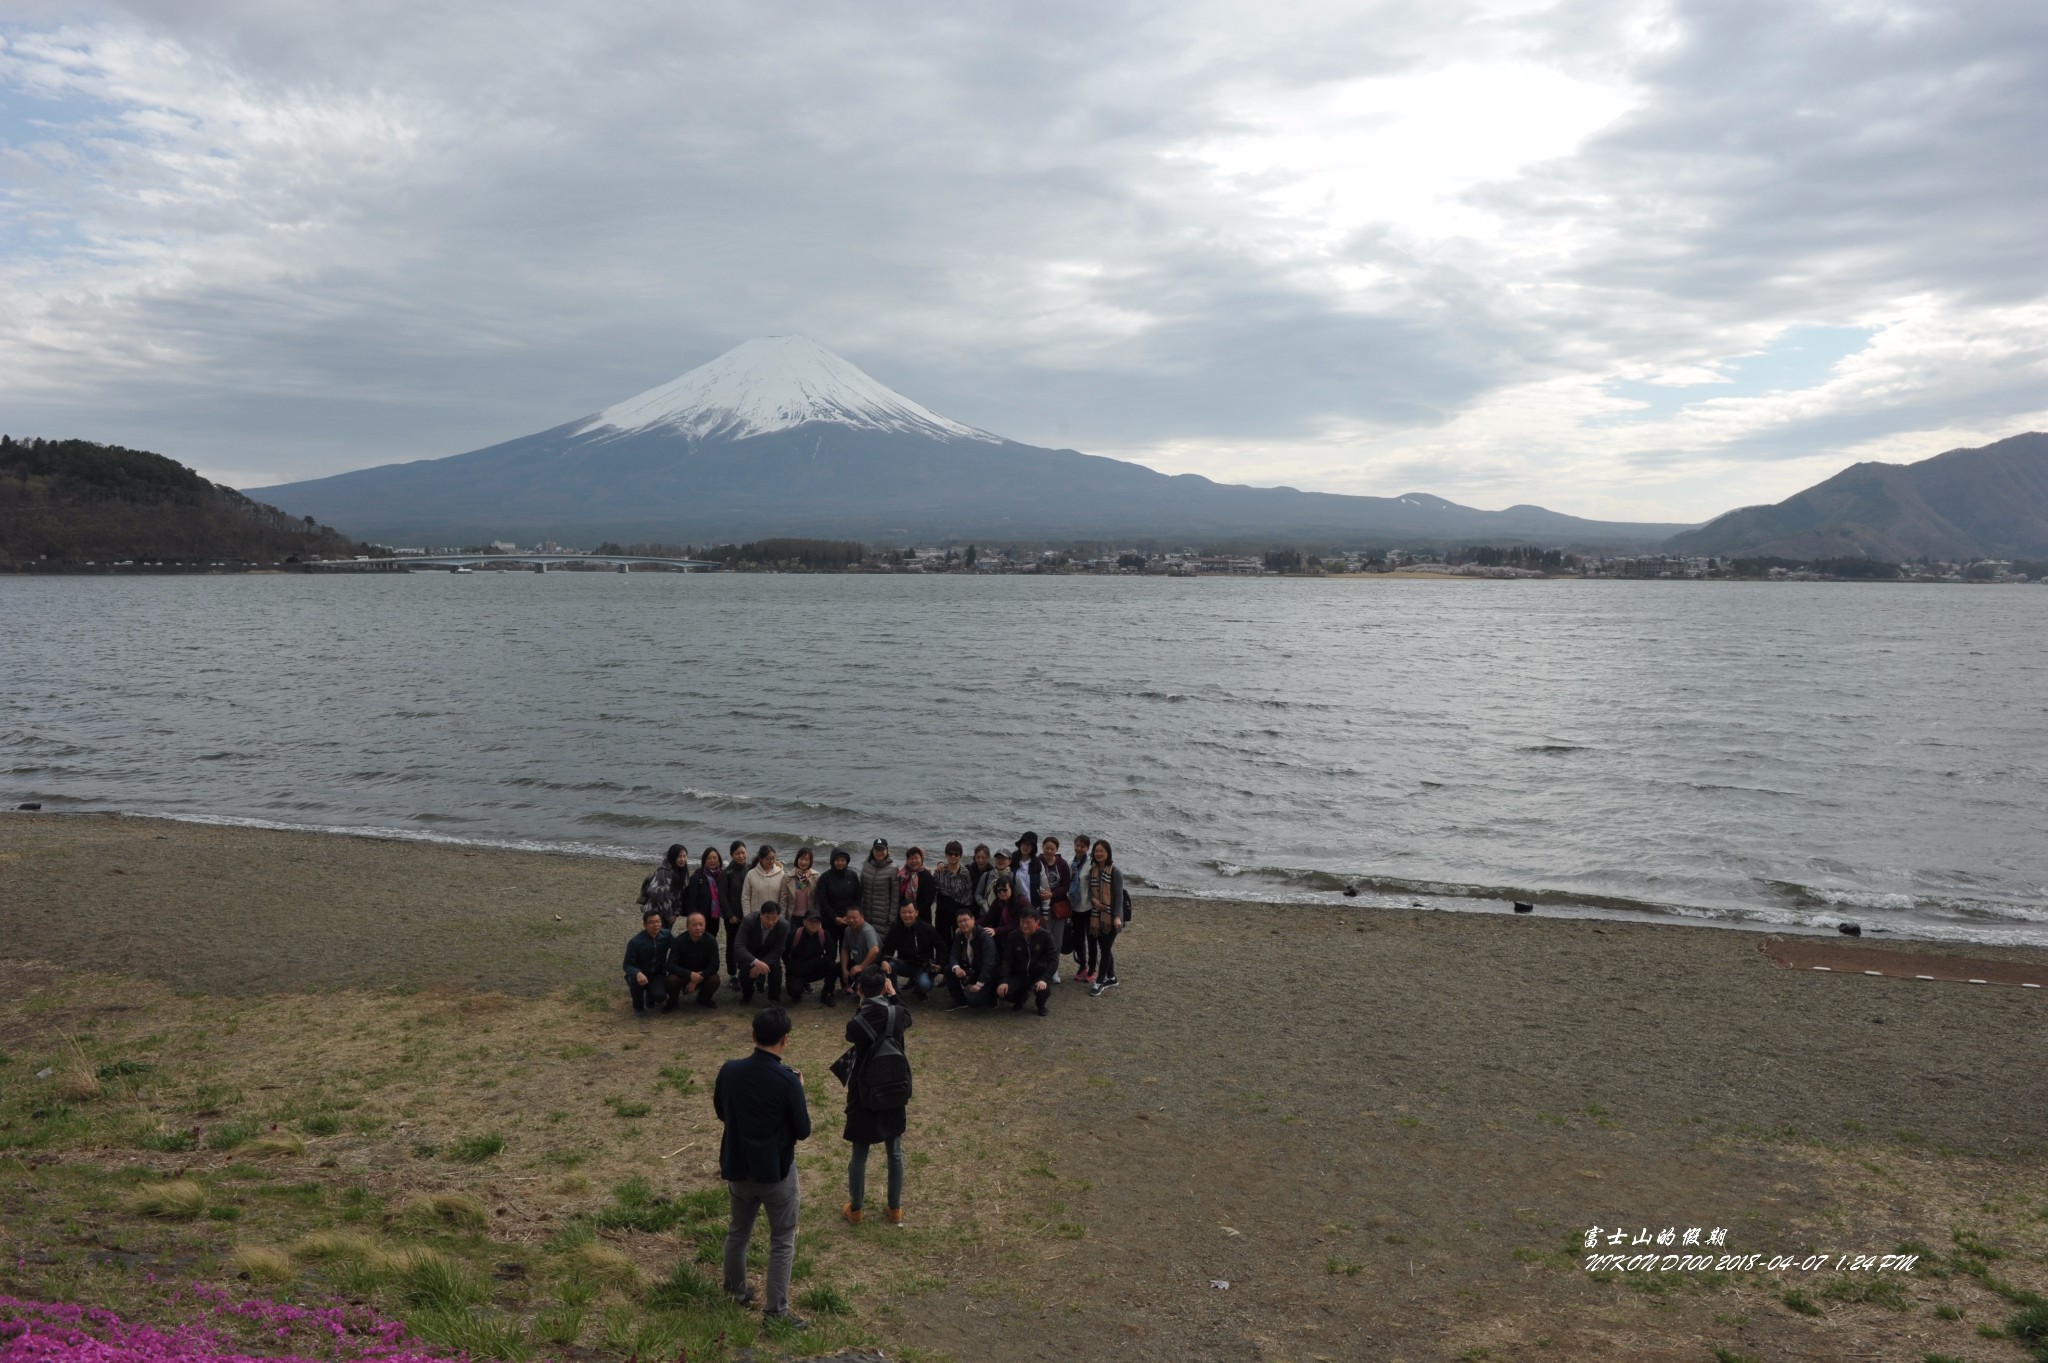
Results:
<point x="1387" y="1131"/>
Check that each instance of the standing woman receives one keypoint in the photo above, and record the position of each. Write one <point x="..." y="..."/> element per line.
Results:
<point x="663" y="891"/>
<point x="732" y="895"/>
<point x="915" y="885"/>
<point x="1083" y="945"/>
<point x="797" y="888"/>
<point x="1105" y="901"/>
<point x="955" y="882"/>
<point x="705" y="893"/>
<point x="981" y="868"/>
<point x="763" y="885"/>
<point x="878" y="1015"/>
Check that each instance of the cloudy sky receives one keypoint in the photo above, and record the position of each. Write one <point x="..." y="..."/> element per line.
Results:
<point x="1644" y="260"/>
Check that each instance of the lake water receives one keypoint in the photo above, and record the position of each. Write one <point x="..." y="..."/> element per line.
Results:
<point x="1768" y="754"/>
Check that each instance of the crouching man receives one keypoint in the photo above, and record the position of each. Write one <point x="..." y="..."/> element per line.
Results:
<point x="971" y="963"/>
<point x="693" y="962"/>
<point x="812" y="959"/>
<point x="763" y="939"/>
<point x="646" y="965"/>
<point x="1028" y="961"/>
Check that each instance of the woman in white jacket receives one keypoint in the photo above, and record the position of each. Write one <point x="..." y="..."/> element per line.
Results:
<point x="764" y="883"/>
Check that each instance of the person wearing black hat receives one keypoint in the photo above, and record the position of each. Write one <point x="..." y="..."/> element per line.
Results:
<point x="838" y="890"/>
<point x="878" y="885"/>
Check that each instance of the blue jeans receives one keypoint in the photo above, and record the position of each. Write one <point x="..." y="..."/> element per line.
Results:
<point x="857" y="1173"/>
<point x="904" y="973"/>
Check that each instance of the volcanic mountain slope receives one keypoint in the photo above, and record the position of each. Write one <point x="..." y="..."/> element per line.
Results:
<point x="1990" y="502"/>
<point x="780" y="436"/>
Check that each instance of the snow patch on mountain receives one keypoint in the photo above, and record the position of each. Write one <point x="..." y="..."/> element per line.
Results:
<point x="772" y="383"/>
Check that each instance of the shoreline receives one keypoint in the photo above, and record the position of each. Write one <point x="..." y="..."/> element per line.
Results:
<point x="1389" y="1132"/>
<point x="1374" y="893"/>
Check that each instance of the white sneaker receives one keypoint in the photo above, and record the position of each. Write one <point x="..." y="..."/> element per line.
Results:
<point x="1055" y="977"/>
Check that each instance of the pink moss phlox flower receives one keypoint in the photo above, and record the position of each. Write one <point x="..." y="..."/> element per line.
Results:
<point x="63" y="1332"/>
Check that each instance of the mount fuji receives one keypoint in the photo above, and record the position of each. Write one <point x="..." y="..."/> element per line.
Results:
<point x="779" y="436"/>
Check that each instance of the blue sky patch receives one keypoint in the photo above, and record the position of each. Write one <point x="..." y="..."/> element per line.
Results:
<point x="1801" y="357"/>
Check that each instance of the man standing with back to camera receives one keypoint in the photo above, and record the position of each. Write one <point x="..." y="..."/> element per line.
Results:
<point x="761" y="1102"/>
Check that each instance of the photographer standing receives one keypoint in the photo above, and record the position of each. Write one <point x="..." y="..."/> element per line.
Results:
<point x="877" y="1091"/>
<point x="761" y="1101"/>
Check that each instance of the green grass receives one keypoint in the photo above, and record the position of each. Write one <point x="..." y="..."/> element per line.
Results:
<point x="477" y="1149"/>
<point x="481" y="1334"/>
<point x="1335" y="1266"/>
<point x="1799" y="1301"/>
<point x="321" y="1124"/>
<point x="441" y="1283"/>
<point x="125" y="1069"/>
<point x="684" y="1287"/>
<point x="2029" y="1326"/>
<point x="559" y="1326"/>
<point x="228" y="1135"/>
<point x="825" y="1301"/>
<point x="621" y="1108"/>
<point x="1885" y="1292"/>
<point x="679" y="1079"/>
<point x="1730" y="1356"/>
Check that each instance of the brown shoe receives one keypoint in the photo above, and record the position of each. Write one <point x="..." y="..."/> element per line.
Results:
<point x="851" y="1213"/>
<point x="895" y="1216"/>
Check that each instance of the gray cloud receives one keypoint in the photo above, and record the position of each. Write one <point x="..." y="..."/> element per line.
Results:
<point x="287" y="239"/>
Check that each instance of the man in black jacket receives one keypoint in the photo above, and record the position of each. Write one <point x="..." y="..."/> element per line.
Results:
<point x="762" y="940"/>
<point x="761" y="1102"/>
<point x="812" y="959"/>
<point x="693" y="962"/>
<point x="971" y="963"/>
<point x="1027" y="963"/>
<point x="910" y="953"/>
<point x="646" y="965"/>
<point x="838" y="890"/>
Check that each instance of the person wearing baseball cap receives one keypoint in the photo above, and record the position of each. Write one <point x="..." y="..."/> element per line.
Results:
<point x="878" y="885"/>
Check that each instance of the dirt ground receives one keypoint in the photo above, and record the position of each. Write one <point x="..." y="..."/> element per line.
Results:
<point x="1387" y="1132"/>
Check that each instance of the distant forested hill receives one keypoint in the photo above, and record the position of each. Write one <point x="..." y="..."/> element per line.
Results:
<point x="72" y="501"/>
<point x="1989" y="502"/>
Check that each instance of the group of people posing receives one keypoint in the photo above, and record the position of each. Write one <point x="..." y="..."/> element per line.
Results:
<point x="990" y="928"/>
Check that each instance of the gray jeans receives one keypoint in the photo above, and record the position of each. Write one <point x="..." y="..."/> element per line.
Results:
<point x="781" y="1201"/>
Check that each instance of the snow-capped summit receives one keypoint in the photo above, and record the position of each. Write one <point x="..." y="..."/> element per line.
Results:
<point x="773" y="383"/>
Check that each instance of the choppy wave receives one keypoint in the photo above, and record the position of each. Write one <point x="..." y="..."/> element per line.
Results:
<point x="1234" y="741"/>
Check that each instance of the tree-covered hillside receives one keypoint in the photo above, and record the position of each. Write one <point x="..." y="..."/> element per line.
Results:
<point x="76" y="502"/>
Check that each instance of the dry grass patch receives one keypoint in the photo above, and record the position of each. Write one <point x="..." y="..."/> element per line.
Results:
<point x="603" y="1265"/>
<point x="179" y="1199"/>
<point x="324" y="1245"/>
<point x="451" y="1211"/>
<point x="275" y="1144"/>
<point x="78" y="1084"/>
<point x="262" y="1264"/>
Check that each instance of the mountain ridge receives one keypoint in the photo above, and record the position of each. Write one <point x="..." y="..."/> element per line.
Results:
<point x="828" y="450"/>
<point x="1989" y="501"/>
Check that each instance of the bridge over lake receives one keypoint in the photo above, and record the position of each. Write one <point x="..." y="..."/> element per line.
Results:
<point x="539" y="562"/>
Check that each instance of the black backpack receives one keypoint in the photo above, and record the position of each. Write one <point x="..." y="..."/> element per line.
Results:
<point x="883" y="1082"/>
